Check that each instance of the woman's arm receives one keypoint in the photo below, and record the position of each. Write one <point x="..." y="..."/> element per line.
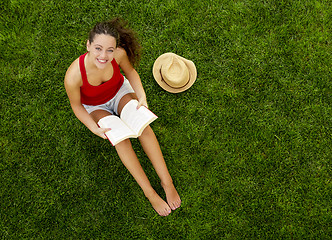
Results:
<point x="132" y="75"/>
<point x="72" y="85"/>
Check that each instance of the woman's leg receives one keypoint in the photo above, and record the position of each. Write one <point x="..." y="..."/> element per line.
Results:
<point x="151" y="147"/>
<point x="131" y="162"/>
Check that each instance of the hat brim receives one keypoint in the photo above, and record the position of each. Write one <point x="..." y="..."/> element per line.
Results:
<point x="157" y="75"/>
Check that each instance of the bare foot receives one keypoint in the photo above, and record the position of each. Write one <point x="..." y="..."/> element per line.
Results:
<point x="159" y="205"/>
<point x="173" y="198"/>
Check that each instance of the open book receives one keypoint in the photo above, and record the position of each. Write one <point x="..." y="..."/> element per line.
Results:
<point x="130" y="124"/>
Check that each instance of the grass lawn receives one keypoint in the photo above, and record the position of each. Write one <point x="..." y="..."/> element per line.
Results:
<point x="248" y="146"/>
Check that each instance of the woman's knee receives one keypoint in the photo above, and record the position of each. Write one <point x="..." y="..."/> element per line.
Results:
<point x="124" y="100"/>
<point x="123" y="145"/>
<point x="99" y="114"/>
<point x="147" y="132"/>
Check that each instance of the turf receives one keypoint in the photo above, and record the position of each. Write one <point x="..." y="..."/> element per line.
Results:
<point x="248" y="146"/>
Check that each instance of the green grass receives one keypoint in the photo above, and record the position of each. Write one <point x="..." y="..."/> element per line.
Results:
<point x="248" y="146"/>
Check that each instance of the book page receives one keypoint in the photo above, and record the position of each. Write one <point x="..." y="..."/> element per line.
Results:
<point x="137" y="119"/>
<point x="119" y="130"/>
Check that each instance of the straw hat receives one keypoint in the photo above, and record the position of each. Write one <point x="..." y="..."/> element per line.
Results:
<point x="174" y="73"/>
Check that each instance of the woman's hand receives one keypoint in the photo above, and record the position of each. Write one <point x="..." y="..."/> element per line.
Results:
<point x="101" y="132"/>
<point x="142" y="102"/>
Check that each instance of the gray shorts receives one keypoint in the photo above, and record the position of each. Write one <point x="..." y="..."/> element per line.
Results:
<point x="112" y="105"/>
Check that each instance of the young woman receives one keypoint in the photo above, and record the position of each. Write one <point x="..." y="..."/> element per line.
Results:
<point x="96" y="88"/>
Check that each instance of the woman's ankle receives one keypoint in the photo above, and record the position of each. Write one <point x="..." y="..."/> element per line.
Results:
<point x="150" y="192"/>
<point x="166" y="184"/>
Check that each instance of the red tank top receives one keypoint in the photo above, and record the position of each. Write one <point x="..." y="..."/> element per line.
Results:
<point x="95" y="95"/>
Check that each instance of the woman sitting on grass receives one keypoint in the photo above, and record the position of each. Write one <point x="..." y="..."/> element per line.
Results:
<point x="96" y="89"/>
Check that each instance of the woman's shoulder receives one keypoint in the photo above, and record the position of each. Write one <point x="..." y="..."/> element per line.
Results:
<point x="73" y="74"/>
<point x="120" y="55"/>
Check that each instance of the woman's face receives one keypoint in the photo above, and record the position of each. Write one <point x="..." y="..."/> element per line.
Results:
<point x="102" y="49"/>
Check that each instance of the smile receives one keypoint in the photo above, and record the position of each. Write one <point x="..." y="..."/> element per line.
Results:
<point x="101" y="61"/>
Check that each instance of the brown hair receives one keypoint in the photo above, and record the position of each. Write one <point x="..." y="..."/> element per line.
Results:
<point x="125" y="37"/>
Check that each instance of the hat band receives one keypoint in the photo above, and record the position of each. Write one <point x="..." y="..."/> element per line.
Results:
<point x="163" y="80"/>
